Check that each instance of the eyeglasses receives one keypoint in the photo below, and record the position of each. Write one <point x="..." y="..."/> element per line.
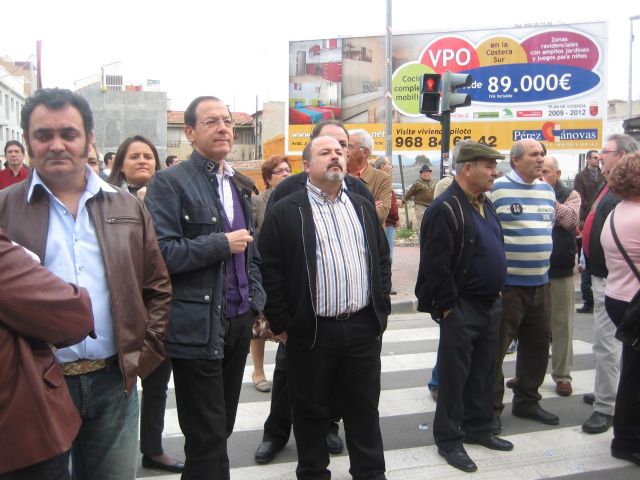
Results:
<point x="212" y="122"/>
<point x="602" y="152"/>
<point x="280" y="171"/>
<point x="351" y="147"/>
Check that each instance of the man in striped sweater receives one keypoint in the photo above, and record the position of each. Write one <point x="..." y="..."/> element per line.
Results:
<point x="526" y="209"/>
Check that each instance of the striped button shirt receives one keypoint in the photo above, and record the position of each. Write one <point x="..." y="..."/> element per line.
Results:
<point x="342" y="278"/>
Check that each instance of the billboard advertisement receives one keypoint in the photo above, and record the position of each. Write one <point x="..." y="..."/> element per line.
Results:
<point x="537" y="81"/>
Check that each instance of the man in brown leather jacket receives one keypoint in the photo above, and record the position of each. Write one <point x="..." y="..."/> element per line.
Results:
<point x="101" y="238"/>
<point x="39" y="420"/>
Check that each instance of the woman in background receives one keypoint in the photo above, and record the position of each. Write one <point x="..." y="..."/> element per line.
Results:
<point x="274" y="170"/>
<point x="136" y="161"/>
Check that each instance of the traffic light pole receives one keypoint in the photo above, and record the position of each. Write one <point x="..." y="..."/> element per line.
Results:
<point x="445" y="121"/>
<point x="446" y="139"/>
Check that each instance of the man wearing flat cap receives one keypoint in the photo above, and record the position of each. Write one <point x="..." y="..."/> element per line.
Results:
<point x="461" y="274"/>
<point x="422" y="193"/>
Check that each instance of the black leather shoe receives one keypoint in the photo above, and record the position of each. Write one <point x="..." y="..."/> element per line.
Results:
<point x="597" y="423"/>
<point x="459" y="459"/>
<point x="631" y="457"/>
<point x="490" y="441"/>
<point x="148" y="462"/>
<point x="266" y="452"/>
<point x="589" y="398"/>
<point x="537" y="414"/>
<point x="334" y="443"/>
<point x="496" y="425"/>
<point x="585" y="309"/>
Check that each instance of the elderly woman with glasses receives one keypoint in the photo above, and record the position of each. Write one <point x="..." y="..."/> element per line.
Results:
<point x="274" y="170"/>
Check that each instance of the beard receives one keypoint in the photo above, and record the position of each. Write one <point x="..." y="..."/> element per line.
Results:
<point x="334" y="176"/>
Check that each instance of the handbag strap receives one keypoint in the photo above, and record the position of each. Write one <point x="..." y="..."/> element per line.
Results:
<point x="622" y="250"/>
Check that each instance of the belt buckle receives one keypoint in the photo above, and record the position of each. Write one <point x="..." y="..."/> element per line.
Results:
<point x="343" y="316"/>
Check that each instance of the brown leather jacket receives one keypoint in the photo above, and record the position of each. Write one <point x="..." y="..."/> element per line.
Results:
<point x="38" y="419"/>
<point x="136" y="274"/>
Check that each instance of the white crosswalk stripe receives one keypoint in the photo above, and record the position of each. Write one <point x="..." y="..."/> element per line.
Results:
<point x="540" y="451"/>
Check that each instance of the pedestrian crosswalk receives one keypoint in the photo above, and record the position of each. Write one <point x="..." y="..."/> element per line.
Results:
<point x="406" y="416"/>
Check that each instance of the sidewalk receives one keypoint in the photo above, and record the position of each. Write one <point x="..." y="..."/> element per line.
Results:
<point x="404" y="272"/>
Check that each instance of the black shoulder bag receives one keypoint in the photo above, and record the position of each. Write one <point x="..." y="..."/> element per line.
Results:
<point x="628" y="331"/>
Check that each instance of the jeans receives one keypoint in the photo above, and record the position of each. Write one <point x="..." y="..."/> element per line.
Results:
<point x="391" y="234"/>
<point x="433" y="383"/>
<point x="106" y="447"/>
<point x="56" y="468"/>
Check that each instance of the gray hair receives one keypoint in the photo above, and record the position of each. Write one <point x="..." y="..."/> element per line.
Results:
<point x="624" y="143"/>
<point x="380" y="161"/>
<point x="554" y="160"/>
<point x="366" y="140"/>
<point x="517" y="150"/>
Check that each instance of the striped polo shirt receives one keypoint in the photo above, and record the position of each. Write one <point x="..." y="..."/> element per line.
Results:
<point x="342" y="277"/>
<point x="526" y="212"/>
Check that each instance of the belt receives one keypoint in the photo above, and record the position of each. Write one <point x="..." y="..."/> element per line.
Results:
<point x="80" y="367"/>
<point x="343" y="316"/>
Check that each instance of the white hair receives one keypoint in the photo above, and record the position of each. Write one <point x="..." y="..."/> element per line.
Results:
<point x="366" y="140"/>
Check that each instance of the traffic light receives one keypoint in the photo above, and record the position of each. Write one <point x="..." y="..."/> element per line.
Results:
<point x="430" y="93"/>
<point x="450" y="99"/>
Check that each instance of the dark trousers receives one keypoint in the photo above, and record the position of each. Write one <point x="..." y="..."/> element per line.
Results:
<point x="56" y="468"/>
<point x="626" y="417"/>
<point x="526" y="315"/>
<point x="585" y="288"/>
<point x="207" y="395"/>
<point x="466" y="368"/>
<point x="152" y="406"/>
<point x="585" y="279"/>
<point x="277" y="427"/>
<point x="346" y="354"/>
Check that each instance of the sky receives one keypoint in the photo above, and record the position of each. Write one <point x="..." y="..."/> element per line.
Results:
<point x="238" y="51"/>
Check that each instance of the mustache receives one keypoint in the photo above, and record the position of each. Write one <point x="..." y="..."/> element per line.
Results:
<point x="57" y="156"/>
<point x="333" y="164"/>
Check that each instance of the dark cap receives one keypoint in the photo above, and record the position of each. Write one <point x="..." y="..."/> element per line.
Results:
<point x="425" y="168"/>
<point x="472" y="151"/>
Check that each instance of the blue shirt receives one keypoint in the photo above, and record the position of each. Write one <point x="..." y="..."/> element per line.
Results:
<point x="73" y="254"/>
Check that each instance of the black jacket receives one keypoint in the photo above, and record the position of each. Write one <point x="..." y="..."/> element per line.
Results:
<point x="446" y="250"/>
<point x="287" y="244"/>
<point x="597" y="263"/>
<point x="299" y="181"/>
<point x="185" y="209"/>
<point x="563" y="254"/>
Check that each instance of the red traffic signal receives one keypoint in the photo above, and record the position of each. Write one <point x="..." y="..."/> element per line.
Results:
<point x="430" y="93"/>
<point x="430" y="83"/>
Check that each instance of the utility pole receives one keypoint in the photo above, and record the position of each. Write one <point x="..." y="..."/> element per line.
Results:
<point x="388" y="117"/>
<point x="630" y="96"/>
